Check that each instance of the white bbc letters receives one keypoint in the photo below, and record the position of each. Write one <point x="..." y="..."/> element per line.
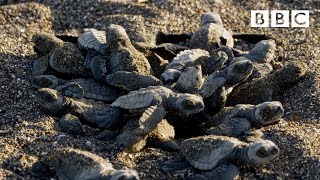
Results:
<point x="259" y="18"/>
<point x="300" y="18"/>
<point x="280" y="18"/>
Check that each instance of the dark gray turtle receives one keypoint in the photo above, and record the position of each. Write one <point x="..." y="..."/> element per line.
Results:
<point x="161" y="137"/>
<point x="214" y="88"/>
<point x="78" y="88"/>
<point x="268" y="87"/>
<point x="211" y="34"/>
<point x="92" y="112"/>
<point x="217" y="86"/>
<point x="180" y="62"/>
<point x="234" y="121"/>
<point x="132" y="81"/>
<point x="263" y="52"/>
<point x="189" y="58"/>
<point x="220" y="156"/>
<point x="154" y="102"/>
<point x="64" y="58"/>
<point x="73" y="164"/>
<point x="94" y="42"/>
<point x="117" y="54"/>
<point x="209" y="152"/>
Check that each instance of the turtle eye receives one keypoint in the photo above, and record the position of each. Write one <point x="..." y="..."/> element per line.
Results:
<point x="267" y="112"/>
<point x="189" y="104"/>
<point x="44" y="82"/>
<point x="262" y="152"/>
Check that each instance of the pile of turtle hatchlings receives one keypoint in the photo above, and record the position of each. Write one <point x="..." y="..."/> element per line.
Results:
<point x="195" y="87"/>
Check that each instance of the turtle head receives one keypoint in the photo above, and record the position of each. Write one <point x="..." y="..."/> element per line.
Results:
<point x="211" y="18"/>
<point x="170" y="76"/>
<point x="117" y="34"/>
<point x="260" y="152"/>
<point x="190" y="80"/>
<point x="50" y="99"/>
<point x="45" y="81"/>
<point x="268" y="112"/>
<point x="127" y="174"/>
<point x="263" y="51"/>
<point x="45" y="43"/>
<point x="189" y="103"/>
<point x="291" y="73"/>
<point x="239" y="71"/>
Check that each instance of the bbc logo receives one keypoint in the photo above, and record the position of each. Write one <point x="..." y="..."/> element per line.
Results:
<point x="280" y="18"/>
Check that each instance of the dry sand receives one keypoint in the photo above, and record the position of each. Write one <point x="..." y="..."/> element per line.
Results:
<point x="27" y="134"/>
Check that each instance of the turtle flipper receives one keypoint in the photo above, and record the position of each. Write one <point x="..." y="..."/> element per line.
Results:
<point x="129" y="140"/>
<point x="132" y="81"/>
<point x="222" y="172"/>
<point x="210" y="85"/>
<point x="136" y="99"/>
<point x="232" y="128"/>
<point x="216" y="102"/>
<point x="40" y="65"/>
<point x="175" y="165"/>
<point x="169" y="145"/>
<point x="107" y="135"/>
<point x="98" y="67"/>
<point x="72" y="90"/>
<point x="71" y="124"/>
<point x="252" y="135"/>
<point x="214" y="62"/>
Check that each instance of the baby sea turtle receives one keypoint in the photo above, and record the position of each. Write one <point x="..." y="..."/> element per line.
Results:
<point x="154" y="102"/>
<point x="211" y="35"/>
<point x="220" y="156"/>
<point x="219" y="84"/>
<point x="78" y="88"/>
<point x="112" y="54"/>
<point x="94" y="113"/>
<point x="62" y="57"/>
<point x="161" y="137"/>
<point x="268" y="87"/>
<point x="234" y="121"/>
<point x="189" y="58"/>
<point x="262" y="52"/>
<point x="73" y="164"/>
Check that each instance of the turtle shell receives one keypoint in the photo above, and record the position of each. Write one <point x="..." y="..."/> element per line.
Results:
<point x="93" y="39"/>
<point x="206" y="152"/>
<point x="210" y="37"/>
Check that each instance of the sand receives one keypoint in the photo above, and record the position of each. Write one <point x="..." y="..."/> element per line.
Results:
<point x="28" y="134"/>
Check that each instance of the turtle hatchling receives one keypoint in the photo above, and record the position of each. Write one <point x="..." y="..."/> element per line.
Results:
<point x="161" y="137"/>
<point x="219" y="84"/>
<point x="268" y="87"/>
<point x="74" y="164"/>
<point x="234" y="121"/>
<point x="78" y="88"/>
<point x="94" y="113"/>
<point x="192" y="57"/>
<point x="63" y="57"/>
<point x="211" y="34"/>
<point x="154" y="102"/>
<point x="113" y="53"/>
<point x="220" y="156"/>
